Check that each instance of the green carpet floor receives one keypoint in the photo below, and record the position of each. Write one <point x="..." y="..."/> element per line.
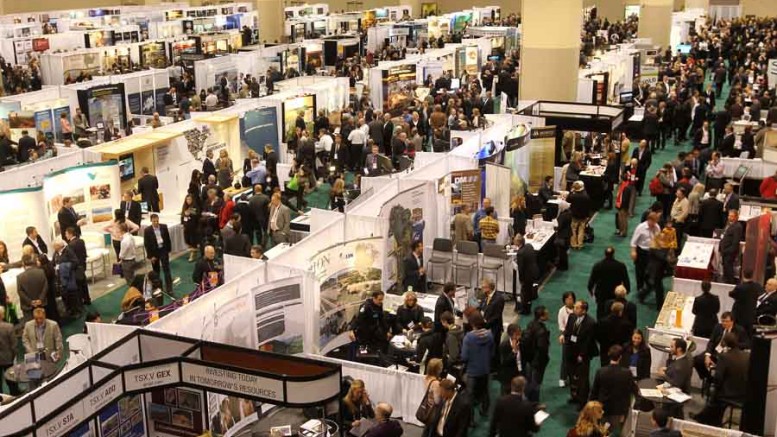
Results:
<point x="562" y="415"/>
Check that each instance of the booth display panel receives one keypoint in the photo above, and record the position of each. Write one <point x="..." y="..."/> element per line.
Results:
<point x="292" y="107"/>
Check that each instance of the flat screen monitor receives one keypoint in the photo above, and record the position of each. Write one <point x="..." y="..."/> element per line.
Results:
<point x="126" y="167"/>
<point x="740" y="172"/>
<point x="455" y="83"/>
<point x="144" y="207"/>
<point x="684" y="48"/>
<point x="626" y="97"/>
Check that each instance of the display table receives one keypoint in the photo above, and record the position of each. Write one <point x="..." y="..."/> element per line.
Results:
<point x="174" y="226"/>
<point x="676" y="314"/>
<point x="695" y="261"/>
<point x="649" y="390"/>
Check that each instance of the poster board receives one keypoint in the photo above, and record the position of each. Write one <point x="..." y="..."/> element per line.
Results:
<point x="168" y="415"/>
<point x="407" y="215"/>
<point x="291" y="108"/>
<point x="465" y="189"/>
<point x="398" y="84"/>
<point x="346" y="274"/>
<point x="103" y="103"/>
<point x="279" y="316"/>
<point x="259" y="127"/>
<point x="542" y="154"/>
<point x="94" y="188"/>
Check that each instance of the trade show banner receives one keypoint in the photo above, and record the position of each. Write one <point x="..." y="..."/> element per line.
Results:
<point x="649" y="75"/>
<point x="103" y="103"/>
<point x="398" y="85"/>
<point x="124" y="418"/>
<point x="517" y="157"/>
<point x="542" y="154"/>
<point x="94" y="189"/>
<point x="58" y="123"/>
<point x="465" y="189"/>
<point x="279" y="316"/>
<point x="226" y="322"/>
<point x="43" y="121"/>
<point x="21" y="208"/>
<point x="176" y="411"/>
<point x="135" y="104"/>
<point x="148" y="102"/>
<point x="347" y="273"/>
<point x="407" y="215"/>
<point x="295" y="106"/>
<point x="159" y="101"/>
<point x="259" y="127"/>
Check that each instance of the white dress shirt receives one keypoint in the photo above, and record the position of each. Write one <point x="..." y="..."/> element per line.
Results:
<point x="127" y="248"/>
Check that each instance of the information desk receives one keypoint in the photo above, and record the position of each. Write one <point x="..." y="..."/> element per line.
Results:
<point x="695" y="261"/>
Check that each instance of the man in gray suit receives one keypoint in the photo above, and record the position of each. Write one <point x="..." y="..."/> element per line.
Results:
<point x="41" y="334"/>
<point x="32" y="286"/>
<point x="259" y="206"/>
<point x="280" y="219"/>
<point x="678" y="371"/>
<point x="376" y="129"/>
<point x="7" y="345"/>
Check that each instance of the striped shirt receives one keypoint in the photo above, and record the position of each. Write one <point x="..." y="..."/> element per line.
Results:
<point x="489" y="228"/>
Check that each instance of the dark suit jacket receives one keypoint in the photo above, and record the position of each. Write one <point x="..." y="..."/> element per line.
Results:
<point x="492" y="313"/>
<point x="412" y="276"/>
<point x="41" y="244"/>
<point x="709" y="214"/>
<point x="442" y="305"/>
<point x="727" y="146"/>
<point x="629" y="309"/>
<point x="237" y="245"/>
<point x="32" y="285"/>
<point x="745" y="297"/>
<point x="208" y="168"/>
<point x="148" y="186"/>
<point x="678" y="373"/>
<point x="526" y="260"/>
<point x="376" y="131"/>
<point x="612" y="330"/>
<point x="605" y="276"/>
<point x="614" y="386"/>
<point x="717" y="336"/>
<point x="388" y="132"/>
<point x="705" y="308"/>
<point x="78" y="248"/>
<point x="68" y="219"/>
<point x="644" y="163"/>
<point x="459" y="417"/>
<point x="508" y="365"/>
<point x="733" y="203"/>
<point x="643" y="361"/>
<point x="731" y="374"/>
<point x="768" y="306"/>
<point x="110" y="134"/>
<point x="26" y="144"/>
<point x="513" y="417"/>
<point x="135" y="212"/>
<point x="153" y="250"/>
<point x="260" y="207"/>
<point x="585" y="334"/>
<point x="729" y="244"/>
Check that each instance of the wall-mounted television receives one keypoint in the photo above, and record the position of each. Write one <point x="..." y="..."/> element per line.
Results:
<point x="127" y="166"/>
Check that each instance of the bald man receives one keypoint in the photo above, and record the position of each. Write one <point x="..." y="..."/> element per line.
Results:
<point x="384" y="425"/>
<point x="767" y="301"/>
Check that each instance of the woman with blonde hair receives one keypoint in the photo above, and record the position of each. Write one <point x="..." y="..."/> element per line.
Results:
<point x="589" y="422"/>
<point x="432" y="396"/>
<point x="694" y="201"/>
<point x="224" y="172"/>
<point x="357" y="405"/>
<point x="337" y="195"/>
<point x="519" y="214"/>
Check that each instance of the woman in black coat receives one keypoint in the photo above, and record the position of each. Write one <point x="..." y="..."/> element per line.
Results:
<point x="705" y="308"/>
<point x="52" y="313"/>
<point x="636" y="356"/>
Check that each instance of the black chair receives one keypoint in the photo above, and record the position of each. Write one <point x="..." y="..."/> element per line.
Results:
<point x="442" y="254"/>
<point x="467" y="253"/>
<point x="731" y="405"/>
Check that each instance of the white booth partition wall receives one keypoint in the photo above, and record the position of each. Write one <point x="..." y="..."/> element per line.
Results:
<point x="32" y="174"/>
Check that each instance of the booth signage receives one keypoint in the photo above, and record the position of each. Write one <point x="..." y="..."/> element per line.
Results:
<point x="232" y="381"/>
<point x="139" y="379"/>
<point x="772" y="72"/>
<point x="64" y="421"/>
<point x="104" y="395"/>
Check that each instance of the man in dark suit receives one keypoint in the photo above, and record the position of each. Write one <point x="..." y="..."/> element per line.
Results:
<point x="579" y="339"/>
<point x="148" y="186"/>
<point x="605" y="276"/>
<point x="414" y="269"/>
<point x="259" y="204"/>
<point x="452" y="416"/>
<point x="492" y="306"/>
<point x="156" y="240"/>
<point x="132" y="210"/>
<point x="514" y="414"/>
<point x="445" y="303"/>
<point x="745" y="296"/>
<point x="644" y="158"/>
<point x="615" y="329"/>
<point x="238" y="243"/>
<point x="527" y="271"/>
<point x="488" y="104"/>
<point x="26" y="145"/>
<point x="730" y="199"/>
<point x="614" y="386"/>
<point x="767" y="301"/>
<point x="704" y="361"/>
<point x="208" y="167"/>
<point x="32" y="287"/>
<point x="709" y="214"/>
<point x="730" y="381"/>
<point x="388" y="133"/>
<point x="372" y="165"/>
<point x="376" y="130"/>
<point x="34" y="239"/>
<point x="511" y="358"/>
<point x="729" y="246"/>
<point x="726" y="147"/>
<point x="68" y="217"/>
<point x="629" y="308"/>
<point x="338" y="156"/>
<point x="77" y="248"/>
<point x="110" y="132"/>
<point x="722" y="119"/>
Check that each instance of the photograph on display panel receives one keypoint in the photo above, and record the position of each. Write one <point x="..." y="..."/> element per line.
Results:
<point x="231" y="414"/>
<point x="398" y="88"/>
<point x="304" y="106"/>
<point x="278" y="313"/>
<point x="405" y="213"/>
<point x="167" y="415"/>
<point x="346" y="273"/>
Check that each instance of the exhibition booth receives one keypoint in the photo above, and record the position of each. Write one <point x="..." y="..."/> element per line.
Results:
<point x="150" y="383"/>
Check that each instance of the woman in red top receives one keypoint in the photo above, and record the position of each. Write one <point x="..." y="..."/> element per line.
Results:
<point x="769" y="187"/>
